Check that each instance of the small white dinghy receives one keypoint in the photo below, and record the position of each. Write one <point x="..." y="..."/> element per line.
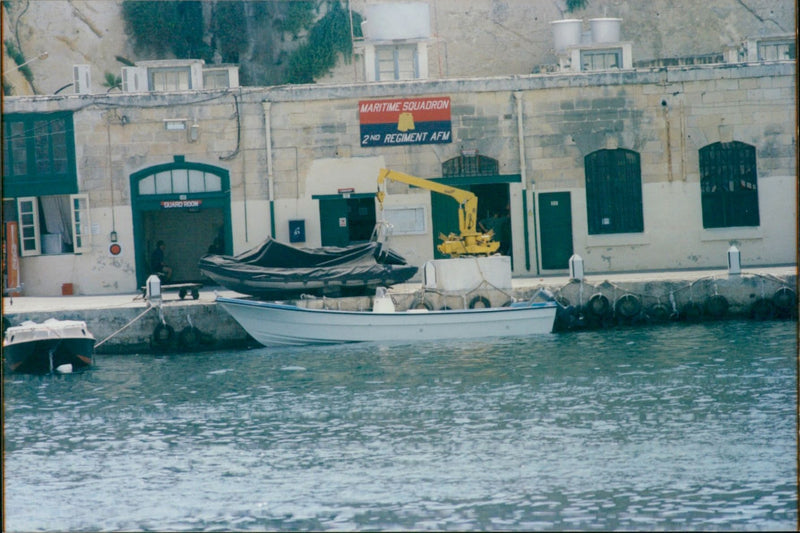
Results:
<point x="280" y="324"/>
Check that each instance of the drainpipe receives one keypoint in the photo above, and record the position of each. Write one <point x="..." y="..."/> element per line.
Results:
<point x="526" y="193"/>
<point x="270" y="175"/>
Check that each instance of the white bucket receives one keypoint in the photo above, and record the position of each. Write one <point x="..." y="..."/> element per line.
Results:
<point x="605" y="30"/>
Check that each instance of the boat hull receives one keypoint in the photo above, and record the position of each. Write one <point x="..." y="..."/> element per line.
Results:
<point x="53" y="346"/>
<point x="34" y="357"/>
<point x="275" y="324"/>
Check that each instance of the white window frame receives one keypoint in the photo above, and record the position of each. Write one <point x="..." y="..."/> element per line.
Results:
<point x="406" y="220"/>
<point x="28" y="208"/>
<point x="397" y="50"/>
<point x="28" y="221"/>
<point x="169" y="79"/>
<point x="81" y="228"/>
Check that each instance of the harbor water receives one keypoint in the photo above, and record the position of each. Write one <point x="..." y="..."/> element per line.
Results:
<point x="676" y="427"/>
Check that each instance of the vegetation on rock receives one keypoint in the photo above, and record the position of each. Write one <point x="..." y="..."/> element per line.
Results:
<point x="273" y="42"/>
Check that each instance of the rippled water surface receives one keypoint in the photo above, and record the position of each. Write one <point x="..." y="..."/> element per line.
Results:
<point x="669" y="428"/>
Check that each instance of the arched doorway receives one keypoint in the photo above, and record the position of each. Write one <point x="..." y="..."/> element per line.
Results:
<point x="186" y="205"/>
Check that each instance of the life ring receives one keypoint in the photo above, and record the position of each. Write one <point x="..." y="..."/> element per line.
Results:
<point x="162" y="335"/>
<point x="482" y="300"/>
<point x="716" y="306"/>
<point x="189" y="338"/>
<point x="628" y="306"/>
<point x="659" y="312"/>
<point x="692" y="312"/>
<point x="785" y="301"/>
<point x="598" y="305"/>
<point x="762" y="309"/>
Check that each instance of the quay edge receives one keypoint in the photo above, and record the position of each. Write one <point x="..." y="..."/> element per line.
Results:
<point x="127" y="324"/>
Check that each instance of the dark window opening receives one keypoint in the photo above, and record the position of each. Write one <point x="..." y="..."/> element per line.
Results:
<point x="729" y="185"/>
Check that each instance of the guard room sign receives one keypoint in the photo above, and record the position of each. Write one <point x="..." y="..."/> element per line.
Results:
<point x="405" y="121"/>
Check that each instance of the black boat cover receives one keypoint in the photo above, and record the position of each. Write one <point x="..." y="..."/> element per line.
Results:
<point x="275" y="269"/>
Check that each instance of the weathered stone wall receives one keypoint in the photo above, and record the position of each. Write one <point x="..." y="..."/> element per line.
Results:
<point x="664" y="115"/>
<point x="471" y="38"/>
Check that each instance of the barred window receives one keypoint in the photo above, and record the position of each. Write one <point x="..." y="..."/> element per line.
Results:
<point x="614" y="192"/>
<point x="729" y="185"/>
<point x="170" y="79"/>
<point x="470" y="165"/>
<point x="601" y="59"/>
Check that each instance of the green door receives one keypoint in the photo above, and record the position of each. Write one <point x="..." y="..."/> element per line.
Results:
<point x="333" y="223"/>
<point x="555" y="218"/>
<point x="444" y="217"/>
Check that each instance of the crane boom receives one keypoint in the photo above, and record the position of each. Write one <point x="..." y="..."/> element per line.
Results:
<point x="469" y="241"/>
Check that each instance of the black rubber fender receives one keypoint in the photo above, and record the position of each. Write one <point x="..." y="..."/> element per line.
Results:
<point x="189" y="338"/>
<point x="482" y="300"/>
<point x="716" y="306"/>
<point x="785" y="301"/>
<point x="628" y="306"/>
<point x="598" y="305"/>
<point x="762" y="309"/>
<point x="692" y="312"/>
<point x="162" y="336"/>
<point x="423" y="304"/>
<point x="659" y="312"/>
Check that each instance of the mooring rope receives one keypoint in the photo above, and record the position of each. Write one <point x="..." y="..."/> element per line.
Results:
<point x="124" y="327"/>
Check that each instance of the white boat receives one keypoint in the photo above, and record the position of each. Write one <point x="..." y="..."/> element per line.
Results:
<point x="61" y="346"/>
<point x="281" y="324"/>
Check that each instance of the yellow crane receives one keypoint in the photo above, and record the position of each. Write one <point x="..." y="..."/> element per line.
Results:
<point x="469" y="241"/>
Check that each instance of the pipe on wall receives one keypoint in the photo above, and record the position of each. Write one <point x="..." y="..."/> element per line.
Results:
<point x="267" y="106"/>
<point x="526" y="188"/>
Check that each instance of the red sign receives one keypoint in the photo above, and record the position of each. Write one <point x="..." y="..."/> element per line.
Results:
<point x="115" y="248"/>
<point x="180" y="204"/>
<point x="405" y="121"/>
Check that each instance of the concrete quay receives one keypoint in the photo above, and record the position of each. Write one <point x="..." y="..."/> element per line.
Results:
<point x="127" y="323"/>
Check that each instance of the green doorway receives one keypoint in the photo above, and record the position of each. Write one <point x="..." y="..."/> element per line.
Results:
<point x="187" y="205"/>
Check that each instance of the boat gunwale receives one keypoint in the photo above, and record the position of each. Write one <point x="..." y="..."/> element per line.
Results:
<point x="296" y="308"/>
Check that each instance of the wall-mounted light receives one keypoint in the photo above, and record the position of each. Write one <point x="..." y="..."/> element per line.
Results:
<point x="174" y="124"/>
<point x="113" y="236"/>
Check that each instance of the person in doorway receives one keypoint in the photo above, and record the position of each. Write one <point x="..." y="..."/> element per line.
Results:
<point x="157" y="264"/>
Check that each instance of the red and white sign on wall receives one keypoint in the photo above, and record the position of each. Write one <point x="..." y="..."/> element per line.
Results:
<point x="405" y="121"/>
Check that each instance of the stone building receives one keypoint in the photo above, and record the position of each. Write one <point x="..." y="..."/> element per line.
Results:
<point x="661" y="164"/>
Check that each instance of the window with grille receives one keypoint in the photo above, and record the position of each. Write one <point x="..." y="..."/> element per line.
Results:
<point x="601" y="59"/>
<point x="470" y="165"/>
<point x="170" y="79"/>
<point x="777" y="50"/>
<point x="396" y="62"/>
<point x="614" y="192"/>
<point x="216" y="79"/>
<point x="180" y="181"/>
<point x="729" y="185"/>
